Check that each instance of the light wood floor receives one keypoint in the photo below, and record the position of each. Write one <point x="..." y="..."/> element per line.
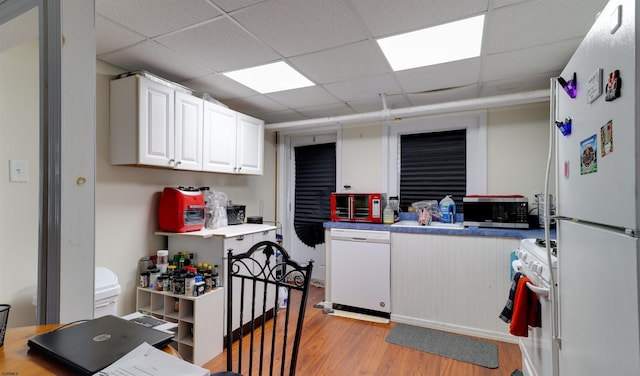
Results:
<point x="340" y="346"/>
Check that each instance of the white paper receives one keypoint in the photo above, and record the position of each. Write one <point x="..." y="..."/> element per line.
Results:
<point x="163" y="326"/>
<point x="146" y="360"/>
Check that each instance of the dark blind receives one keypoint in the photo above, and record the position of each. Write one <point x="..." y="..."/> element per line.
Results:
<point x="433" y="165"/>
<point x="315" y="179"/>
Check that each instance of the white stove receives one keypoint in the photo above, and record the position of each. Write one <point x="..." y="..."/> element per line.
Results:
<point x="538" y="358"/>
<point x="534" y="263"/>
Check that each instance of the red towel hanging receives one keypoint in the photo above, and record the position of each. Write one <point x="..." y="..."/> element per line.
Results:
<point x="525" y="312"/>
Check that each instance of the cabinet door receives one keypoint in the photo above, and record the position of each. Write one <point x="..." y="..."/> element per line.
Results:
<point x="250" y="145"/>
<point x="188" y="132"/>
<point x="156" y="130"/>
<point x="219" y="145"/>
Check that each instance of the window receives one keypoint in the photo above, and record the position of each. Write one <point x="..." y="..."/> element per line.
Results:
<point x="418" y="177"/>
<point x="433" y="165"/>
<point x="315" y="179"/>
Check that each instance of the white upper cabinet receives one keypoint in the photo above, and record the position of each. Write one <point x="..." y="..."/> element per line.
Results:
<point x="153" y="124"/>
<point x="233" y="142"/>
<point x="188" y="132"/>
<point x="142" y="122"/>
<point x="219" y="148"/>
<point x="250" y="145"/>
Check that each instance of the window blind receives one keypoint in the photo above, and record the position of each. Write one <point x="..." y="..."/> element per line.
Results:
<point x="433" y="165"/>
<point x="315" y="179"/>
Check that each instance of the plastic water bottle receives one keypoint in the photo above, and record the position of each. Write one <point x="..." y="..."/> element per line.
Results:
<point x="283" y="297"/>
<point x="447" y="210"/>
<point x="387" y="215"/>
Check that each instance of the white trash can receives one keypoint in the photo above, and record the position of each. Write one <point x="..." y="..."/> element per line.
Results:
<point x="107" y="292"/>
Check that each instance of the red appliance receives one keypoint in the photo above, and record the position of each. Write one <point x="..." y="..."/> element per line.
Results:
<point x="181" y="209"/>
<point x="357" y="207"/>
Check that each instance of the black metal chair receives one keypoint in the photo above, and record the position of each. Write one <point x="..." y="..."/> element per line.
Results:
<point x="256" y="281"/>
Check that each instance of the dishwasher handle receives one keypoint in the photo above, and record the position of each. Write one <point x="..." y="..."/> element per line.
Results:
<point x="360" y="240"/>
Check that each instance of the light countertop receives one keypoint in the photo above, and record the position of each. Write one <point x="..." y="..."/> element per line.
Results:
<point x="226" y="232"/>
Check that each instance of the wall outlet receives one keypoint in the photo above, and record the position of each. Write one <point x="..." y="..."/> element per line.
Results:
<point x="18" y="171"/>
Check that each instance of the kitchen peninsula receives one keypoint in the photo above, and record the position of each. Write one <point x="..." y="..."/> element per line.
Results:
<point x="456" y="280"/>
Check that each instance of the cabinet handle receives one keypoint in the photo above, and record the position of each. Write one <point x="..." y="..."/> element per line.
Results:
<point x="240" y="238"/>
<point x="171" y="161"/>
<point x="178" y="162"/>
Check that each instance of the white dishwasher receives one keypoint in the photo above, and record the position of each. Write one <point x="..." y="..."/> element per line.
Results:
<point x="361" y="271"/>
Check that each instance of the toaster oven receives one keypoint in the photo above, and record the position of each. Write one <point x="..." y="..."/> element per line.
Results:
<point x="357" y="207"/>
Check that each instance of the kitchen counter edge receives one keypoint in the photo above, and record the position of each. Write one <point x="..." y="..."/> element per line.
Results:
<point x="468" y="231"/>
<point x="226" y="232"/>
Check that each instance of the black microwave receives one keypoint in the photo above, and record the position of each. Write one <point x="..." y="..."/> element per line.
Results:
<point x="496" y="211"/>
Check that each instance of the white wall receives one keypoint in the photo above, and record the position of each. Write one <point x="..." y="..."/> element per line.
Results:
<point x="362" y="157"/>
<point x="77" y="187"/>
<point x="127" y="198"/>
<point x="517" y="142"/>
<point x="19" y="130"/>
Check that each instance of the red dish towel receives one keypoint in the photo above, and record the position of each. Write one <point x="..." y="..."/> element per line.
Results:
<point x="525" y="309"/>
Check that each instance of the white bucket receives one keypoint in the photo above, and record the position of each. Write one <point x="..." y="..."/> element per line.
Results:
<point x="107" y="292"/>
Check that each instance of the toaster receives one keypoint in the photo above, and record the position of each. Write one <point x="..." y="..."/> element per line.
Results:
<point x="181" y="209"/>
<point x="235" y="214"/>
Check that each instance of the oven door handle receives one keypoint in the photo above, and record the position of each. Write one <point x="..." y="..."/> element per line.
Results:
<point x="538" y="290"/>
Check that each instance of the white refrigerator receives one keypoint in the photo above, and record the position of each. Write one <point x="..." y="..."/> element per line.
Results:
<point x="597" y="299"/>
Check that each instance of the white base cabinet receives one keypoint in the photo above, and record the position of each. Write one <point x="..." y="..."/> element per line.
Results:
<point x="199" y="335"/>
<point x="213" y="248"/>
<point x="454" y="283"/>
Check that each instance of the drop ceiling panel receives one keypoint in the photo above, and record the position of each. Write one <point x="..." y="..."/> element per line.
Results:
<point x="157" y="59"/>
<point x="376" y="104"/>
<point x="337" y="109"/>
<point x="254" y="104"/>
<point x="296" y="27"/>
<point x="220" y="45"/>
<point x="441" y="76"/>
<point x="527" y="62"/>
<point x="155" y="17"/>
<point x="279" y="116"/>
<point x="341" y="63"/>
<point x="111" y="37"/>
<point x="218" y="86"/>
<point x="532" y="23"/>
<point x="304" y="97"/>
<point x="365" y="88"/>
<point x="454" y="94"/>
<point x="383" y="18"/>
<point x="233" y="5"/>
<point x="517" y="85"/>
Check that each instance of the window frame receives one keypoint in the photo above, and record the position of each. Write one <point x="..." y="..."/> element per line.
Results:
<point x="475" y="124"/>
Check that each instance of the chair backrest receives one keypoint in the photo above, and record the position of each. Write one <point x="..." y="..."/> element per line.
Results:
<point x="265" y="283"/>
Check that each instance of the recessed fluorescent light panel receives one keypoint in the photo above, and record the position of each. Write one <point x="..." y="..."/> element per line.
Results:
<point x="435" y="45"/>
<point x="270" y="78"/>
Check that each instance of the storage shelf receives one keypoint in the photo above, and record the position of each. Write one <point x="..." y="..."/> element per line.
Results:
<point x="206" y="310"/>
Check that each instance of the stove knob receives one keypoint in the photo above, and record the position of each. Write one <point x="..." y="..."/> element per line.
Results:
<point x="523" y="255"/>
<point x="537" y="267"/>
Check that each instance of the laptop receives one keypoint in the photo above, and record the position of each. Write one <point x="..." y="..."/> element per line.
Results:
<point x="93" y="345"/>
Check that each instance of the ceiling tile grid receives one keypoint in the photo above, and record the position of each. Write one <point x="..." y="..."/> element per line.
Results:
<point x="333" y="43"/>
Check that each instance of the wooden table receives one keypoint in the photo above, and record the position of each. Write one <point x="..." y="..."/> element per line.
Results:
<point x="17" y="359"/>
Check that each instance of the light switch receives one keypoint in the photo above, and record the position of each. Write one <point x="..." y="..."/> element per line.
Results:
<point x="18" y="171"/>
